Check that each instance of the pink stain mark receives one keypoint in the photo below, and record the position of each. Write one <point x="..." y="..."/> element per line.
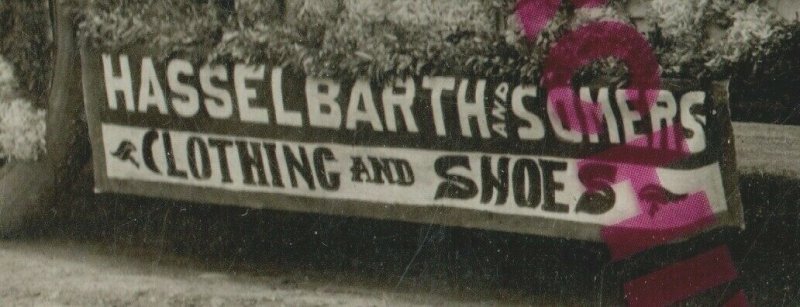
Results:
<point x="591" y="43"/>
<point x="682" y="280"/>
<point x="534" y="15"/>
<point x="738" y="300"/>
<point x="671" y="222"/>
<point x="577" y="115"/>
<point x="653" y="226"/>
<point x="660" y="219"/>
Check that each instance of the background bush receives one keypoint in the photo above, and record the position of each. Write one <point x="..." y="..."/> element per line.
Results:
<point x="765" y="87"/>
<point x="378" y="39"/>
<point x="26" y="42"/>
<point x="25" y="65"/>
<point x="381" y="39"/>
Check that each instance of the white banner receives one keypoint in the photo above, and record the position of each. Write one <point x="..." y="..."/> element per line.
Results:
<point x="540" y="186"/>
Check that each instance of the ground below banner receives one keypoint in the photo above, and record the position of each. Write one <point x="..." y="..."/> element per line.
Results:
<point x="129" y="250"/>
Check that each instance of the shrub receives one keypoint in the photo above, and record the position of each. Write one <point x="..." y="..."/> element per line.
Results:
<point x="381" y="39"/>
<point x="764" y="85"/>
<point x="22" y="126"/>
<point x="168" y="26"/>
<point x="752" y="30"/>
<point x="26" y="42"/>
<point x="22" y="129"/>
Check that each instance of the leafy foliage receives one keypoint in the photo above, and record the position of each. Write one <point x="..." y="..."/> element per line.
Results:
<point x="738" y="39"/>
<point x="379" y="39"/>
<point x="764" y="86"/>
<point x="22" y="126"/>
<point x="686" y="47"/>
<point x="25" y="41"/>
<point x="167" y="26"/>
<point x="752" y="30"/>
<point x="25" y="63"/>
